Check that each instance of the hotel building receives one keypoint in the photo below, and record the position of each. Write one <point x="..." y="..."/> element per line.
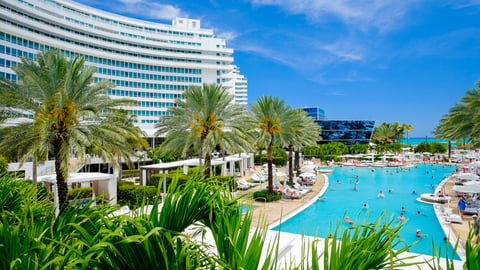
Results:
<point x="149" y="62"/>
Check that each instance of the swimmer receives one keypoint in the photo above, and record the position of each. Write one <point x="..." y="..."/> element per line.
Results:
<point x="381" y="195"/>
<point x="403" y="209"/>
<point x="418" y="233"/>
<point x="338" y="182"/>
<point x="420" y="214"/>
<point x="390" y="190"/>
<point x="401" y="217"/>
<point x="322" y="199"/>
<point x="355" y="187"/>
<point x="365" y="206"/>
<point x="348" y="220"/>
<point x="414" y="192"/>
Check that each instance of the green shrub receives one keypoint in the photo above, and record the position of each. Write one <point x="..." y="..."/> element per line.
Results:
<point x="133" y="196"/>
<point x="77" y="193"/>
<point x="269" y="196"/>
<point x="130" y="173"/>
<point x="3" y="165"/>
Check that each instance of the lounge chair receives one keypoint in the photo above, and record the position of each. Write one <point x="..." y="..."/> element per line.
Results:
<point x="245" y="182"/>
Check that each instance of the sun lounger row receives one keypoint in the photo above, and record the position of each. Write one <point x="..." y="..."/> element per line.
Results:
<point x="260" y="176"/>
<point x="295" y="192"/>
<point x="242" y="184"/>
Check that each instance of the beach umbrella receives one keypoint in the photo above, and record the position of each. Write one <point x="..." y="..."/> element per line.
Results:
<point x="467" y="176"/>
<point x="309" y="168"/>
<point x="307" y="174"/>
<point x="469" y="187"/>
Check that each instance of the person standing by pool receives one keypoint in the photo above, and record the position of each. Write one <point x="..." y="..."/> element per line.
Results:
<point x="461" y="206"/>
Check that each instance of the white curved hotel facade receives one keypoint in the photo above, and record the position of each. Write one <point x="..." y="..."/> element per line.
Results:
<point x="150" y="62"/>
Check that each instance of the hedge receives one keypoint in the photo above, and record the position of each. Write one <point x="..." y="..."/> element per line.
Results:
<point x="269" y="196"/>
<point x="79" y="193"/>
<point x="133" y="196"/>
<point x="130" y="173"/>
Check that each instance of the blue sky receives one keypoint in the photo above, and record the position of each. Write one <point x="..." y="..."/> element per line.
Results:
<point x="406" y="61"/>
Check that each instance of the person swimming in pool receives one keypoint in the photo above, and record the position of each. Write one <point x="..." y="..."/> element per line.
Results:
<point x="348" y="220"/>
<point x="365" y="206"/>
<point x="381" y="195"/>
<point x="419" y="234"/>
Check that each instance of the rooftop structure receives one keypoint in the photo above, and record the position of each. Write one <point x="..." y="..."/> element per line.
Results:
<point x="149" y="62"/>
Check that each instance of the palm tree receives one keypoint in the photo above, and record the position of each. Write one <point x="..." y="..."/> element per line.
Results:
<point x="205" y="119"/>
<point x="70" y="113"/>
<point x="461" y="122"/>
<point x="383" y="133"/>
<point x="275" y="123"/>
<point x="306" y="133"/>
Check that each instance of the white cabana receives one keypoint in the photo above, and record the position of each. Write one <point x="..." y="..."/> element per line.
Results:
<point x="101" y="183"/>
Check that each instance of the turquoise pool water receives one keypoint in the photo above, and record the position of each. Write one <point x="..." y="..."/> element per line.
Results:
<point x="342" y="200"/>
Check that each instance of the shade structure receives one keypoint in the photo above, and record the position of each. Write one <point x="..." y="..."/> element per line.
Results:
<point x="307" y="174"/>
<point x="468" y="187"/>
<point x="308" y="168"/>
<point x="467" y="176"/>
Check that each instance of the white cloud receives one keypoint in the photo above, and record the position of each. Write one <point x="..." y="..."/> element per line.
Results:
<point x="227" y="35"/>
<point x="365" y="15"/>
<point x="150" y="9"/>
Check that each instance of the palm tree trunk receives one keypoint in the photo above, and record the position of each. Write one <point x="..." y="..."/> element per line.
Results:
<point x="297" y="160"/>
<point x="208" y="163"/>
<point x="61" y="181"/>
<point x="290" y="164"/>
<point x="200" y="156"/>
<point x="34" y="171"/>
<point x="269" y="164"/>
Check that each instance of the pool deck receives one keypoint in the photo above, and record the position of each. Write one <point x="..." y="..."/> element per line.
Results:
<point x="274" y="212"/>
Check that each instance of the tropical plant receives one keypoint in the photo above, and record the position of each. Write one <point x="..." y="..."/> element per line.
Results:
<point x="387" y="133"/>
<point x="358" y="148"/>
<point x="3" y="165"/>
<point x="367" y="246"/>
<point x="70" y="113"/>
<point x="461" y="121"/>
<point x="472" y="249"/>
<point x="205" y="119"/>
<point x="276" y="124"/>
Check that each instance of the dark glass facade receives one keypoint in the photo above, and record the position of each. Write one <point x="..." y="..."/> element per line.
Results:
<point x="315" y="112"/>
<point x="346" y="131"/>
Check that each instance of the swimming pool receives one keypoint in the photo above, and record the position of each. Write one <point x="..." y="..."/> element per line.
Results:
<point x="343" y="200"/>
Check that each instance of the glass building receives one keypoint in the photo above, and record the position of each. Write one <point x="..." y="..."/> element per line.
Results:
<point x="346" y="131"/>
<point x="315" y="112"/>
<point x="151" y="63"/>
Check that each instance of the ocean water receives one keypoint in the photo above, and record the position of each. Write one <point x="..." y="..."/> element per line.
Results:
<point x="418" y="140"/>
<point x="343" y="200"/>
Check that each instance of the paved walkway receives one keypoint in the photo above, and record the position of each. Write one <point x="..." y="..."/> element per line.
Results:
<point x="273" y="212"/>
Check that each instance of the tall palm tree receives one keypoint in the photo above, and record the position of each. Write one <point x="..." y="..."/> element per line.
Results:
<point x="307" y="132"/>
<point x="205" y="119"/>
<point x="70" y="113"/>
<point x="275" y="123"/>
<point x="461" y="122"/>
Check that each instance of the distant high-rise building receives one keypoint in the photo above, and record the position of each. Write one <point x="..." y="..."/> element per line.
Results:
<point x="315" y="112"/>
<point x="150" y="62"/>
